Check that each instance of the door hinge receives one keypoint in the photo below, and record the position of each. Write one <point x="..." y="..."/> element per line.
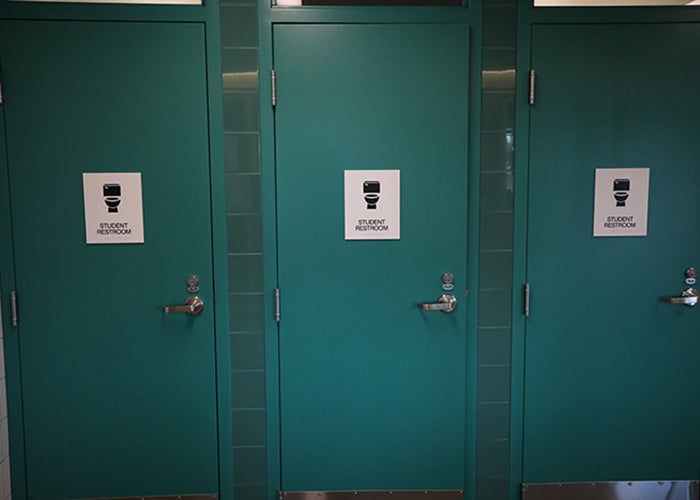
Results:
<point x="278" y="312"/>
<point x="0" y="89"/>
<point x="531" y="99"/>
<point x="526" y="300"/>
<point x="13" y="308"/>
<point x="273" y="84"/>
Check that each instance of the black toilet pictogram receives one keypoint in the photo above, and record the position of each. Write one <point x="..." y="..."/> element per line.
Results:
<point x="112" y="194"/>
<point x="371" y="192"/>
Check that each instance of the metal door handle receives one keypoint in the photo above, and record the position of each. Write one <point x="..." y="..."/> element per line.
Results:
<point x="688" y="297"/>
<point x="446" y="303"/>
<point x="193" y="306"/>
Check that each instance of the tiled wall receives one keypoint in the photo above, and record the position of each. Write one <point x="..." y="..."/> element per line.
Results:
<point x="4" y="445"/>
<point x="242" y="134"/>
<point x="496" y="249"/>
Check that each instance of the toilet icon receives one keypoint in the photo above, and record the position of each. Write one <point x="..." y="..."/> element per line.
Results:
<point x="621" y="188"/>
<point x="112" y="194"/>
<point x="371" y="192"/>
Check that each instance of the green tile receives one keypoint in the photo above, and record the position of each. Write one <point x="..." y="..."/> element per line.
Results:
<point x="245" y="273"/>
<point x="495" y="270"/>
<point x="494" y="309"/>
<point x="239" y="26"/>
<point x="494" y="346"/>
<point x="244" y="233"/>
<point x="498" y="71"/>
<point x="242" y="153"/>
<point x="248" y="390"/>
<point x="497" y="151"/>
<point x="240" y="69"/>
<point x="241" y="113"/>
<point x="247" y="351"/>
<point x="249" y="427"/>
<point x="496" y="231"/>
<point x="488" y="488"/>
<point x="496" y="244"/>
<point x="497" y="191"/>
<point x="246" y="312"/>
<point x="249" y="491"/>
<point x="500" y="26"/>
<point x="493" y="421"/>
<point x="493" y="384"/>
<point x="243" y="194"/>
<point x="249" y="465"/>
<point x="498" y="110"/>
<point x="493" y="459"/>
<point x="499" y="59"/>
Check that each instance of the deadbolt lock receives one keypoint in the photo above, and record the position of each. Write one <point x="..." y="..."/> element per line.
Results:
<point x="193" y="284"/>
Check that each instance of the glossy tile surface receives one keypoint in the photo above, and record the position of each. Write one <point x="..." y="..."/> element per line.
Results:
<point x="244" y="224"/>
<point x="495" y="250"/>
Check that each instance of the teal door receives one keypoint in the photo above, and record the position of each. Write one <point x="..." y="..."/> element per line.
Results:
<point x="117" y="398"/>
<point x="372" y="388"/>
<point x="612" y="374"/>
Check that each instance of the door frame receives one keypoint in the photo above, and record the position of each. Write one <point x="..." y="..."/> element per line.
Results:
<point x="208" y="16"/>
<point x="528" y="17"/>
<point x="270" y="15"/>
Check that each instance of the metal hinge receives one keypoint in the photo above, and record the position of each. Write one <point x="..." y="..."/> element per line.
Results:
<point x="278" y="313"/>
<point x="13" y="308"/>
<point x="273" y="84"/>
<point x="531" y="99"/>
<point x="526" y="300"/>
<point x="0" y="89"/>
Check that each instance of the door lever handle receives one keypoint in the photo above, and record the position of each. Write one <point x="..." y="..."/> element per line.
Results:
<point x="193" y="306"/>
<point x="689" y="297"/>
<point x="446" y="303"/>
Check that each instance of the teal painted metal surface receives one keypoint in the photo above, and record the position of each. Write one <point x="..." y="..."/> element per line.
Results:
<point x="611" y="374"/>
<point x="372" y="389"/>
<point x="118" y="399"/>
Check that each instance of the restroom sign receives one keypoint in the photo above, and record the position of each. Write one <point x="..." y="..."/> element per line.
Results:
<point x="621" y="202"/>
<point x="372" y="204"/>
<point x="113" y="208"/>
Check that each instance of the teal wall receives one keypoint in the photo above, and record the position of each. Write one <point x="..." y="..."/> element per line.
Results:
<point x="240" y="66"/>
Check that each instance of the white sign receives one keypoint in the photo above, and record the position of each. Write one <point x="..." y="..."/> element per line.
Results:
<point x="372" y="204"/>
<point x="621" y="202"/>
<point x="113" y="207"/>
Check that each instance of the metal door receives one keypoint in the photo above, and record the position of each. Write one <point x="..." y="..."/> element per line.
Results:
<point x="372" y="387"/>
<point x="612" y="374"/>
<point x="117" y="398"/>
